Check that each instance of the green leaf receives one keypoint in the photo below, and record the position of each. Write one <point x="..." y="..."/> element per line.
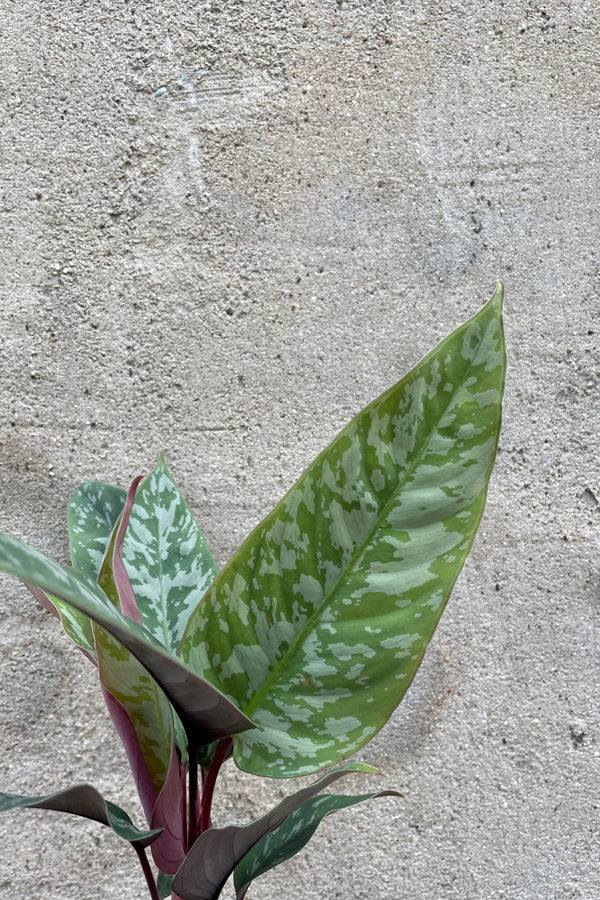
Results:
<point x="92" y="514"/>
<point x="317" y="625"/>
<point x="123" y="675"/>
<point x="163" y="885"/>
<point x="204" y="711"/>
<point x="218" y="851"/>
<point x="280" y="845"/>
<point x="77" y="626"/>
<point x="85" y="801"/>
<point x="167" y="558"/>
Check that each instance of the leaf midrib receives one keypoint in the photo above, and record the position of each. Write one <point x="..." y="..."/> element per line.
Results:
<point x="282" y="664"/>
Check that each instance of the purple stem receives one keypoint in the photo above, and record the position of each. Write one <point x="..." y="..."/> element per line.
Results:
<point x="146" y="870"/>
<point x="209" y="784"/>
<point x="192" y="793"/>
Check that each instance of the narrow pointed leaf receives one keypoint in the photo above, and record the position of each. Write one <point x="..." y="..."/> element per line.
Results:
<point x="167" y="558"/>
<point x="204" y="711"/>
<point x="218" y="851"/>
<point x="85" y="801"/>
<point x="112" y="577"/>
<point x="317" y="625"/>
<point x="145" y="705"/>
<point x="280" y="845"/>
<point x="122" y="674"/>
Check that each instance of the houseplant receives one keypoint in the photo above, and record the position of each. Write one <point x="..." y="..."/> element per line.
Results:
<point x="294" y="655"/>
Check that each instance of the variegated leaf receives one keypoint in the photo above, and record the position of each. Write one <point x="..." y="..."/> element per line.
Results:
<point x="92" y="513"/>
<point x="84" y="800"/>
<point x="112" y="577"/>
<point x="218" y="851"/>
<point x="319" y="622"/>
<point x="280" y="845"/>
<point x="204" y="711"/>
<point x="122" y="674"/>
<point x="167" y="558"/>
<point x="146" y="707"/>
<point x="77" y="626"/>
<point x="124" y="728"/>
<point x="140" y="711"/>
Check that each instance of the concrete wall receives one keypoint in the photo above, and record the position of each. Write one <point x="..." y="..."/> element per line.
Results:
<point x="226" y="226"/>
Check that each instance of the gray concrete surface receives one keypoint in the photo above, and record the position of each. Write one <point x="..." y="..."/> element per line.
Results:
<point x="226" y="226"/>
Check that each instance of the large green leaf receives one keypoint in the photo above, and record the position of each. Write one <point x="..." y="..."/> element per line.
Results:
<point x="84" y="800"/>
<point x="319" y="622"/>
<point x="284" y="842"/>
<point x="218" y="851"/>
<point x="167" y="558"/>
<point x="205" y="712"/>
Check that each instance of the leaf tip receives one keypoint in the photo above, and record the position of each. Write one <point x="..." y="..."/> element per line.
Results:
<point x="497" y="298"/>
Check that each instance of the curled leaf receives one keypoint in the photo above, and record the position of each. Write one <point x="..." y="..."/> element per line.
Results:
<point x="291" y="836"/>
<point x="85" y="801"/>
<point x="218" y="851"/>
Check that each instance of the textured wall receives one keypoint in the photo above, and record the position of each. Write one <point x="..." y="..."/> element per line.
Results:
<point x="226" y="226"/>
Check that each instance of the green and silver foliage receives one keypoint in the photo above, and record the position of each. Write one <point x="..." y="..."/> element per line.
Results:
<point x="250" y="850"/>
<point x="299" y="650"/>
<point x="319" y="622"/>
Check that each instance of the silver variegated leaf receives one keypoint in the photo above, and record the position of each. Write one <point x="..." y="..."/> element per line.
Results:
<point x="92" y="513"/>
<point x="204" y="711"/>
<point x="284" y="842"/>
<point x="218" y="851"/>
<point x="166" y="556"/>
<point x="317" y="625"/>
<point x="122" y="674"/>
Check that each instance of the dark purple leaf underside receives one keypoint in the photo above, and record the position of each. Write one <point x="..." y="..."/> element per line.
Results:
<point x="168" y="851"/>
<point x="217" y="851"/>
<point x="85" y="801"/>
<point x="124" y="728"/>
<point x="126" y="596"/>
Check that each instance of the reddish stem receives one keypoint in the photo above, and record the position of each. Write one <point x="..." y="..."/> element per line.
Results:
<point x="223" y="751"/>
<point x="192" y="793"/>
<point x="146" y="870"/>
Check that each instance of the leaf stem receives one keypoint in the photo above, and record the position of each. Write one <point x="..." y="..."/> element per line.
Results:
<point x="223" y="751"/>
<point x="192" y="793"/>
<point x="146" y="870"/>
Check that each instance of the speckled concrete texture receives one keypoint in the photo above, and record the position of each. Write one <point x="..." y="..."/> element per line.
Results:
<point x="227" y="226"/>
